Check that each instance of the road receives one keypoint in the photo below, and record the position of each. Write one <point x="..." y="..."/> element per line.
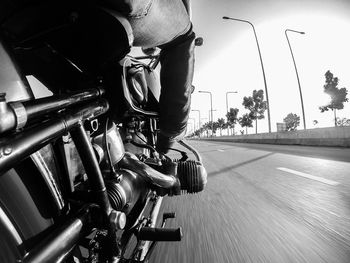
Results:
<point x="264" y="203"/>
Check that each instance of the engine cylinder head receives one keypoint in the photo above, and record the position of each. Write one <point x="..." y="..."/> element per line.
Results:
<point x="192" y="176"/>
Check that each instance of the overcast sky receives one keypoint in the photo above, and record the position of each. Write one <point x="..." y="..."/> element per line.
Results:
<point x="229" y="61"/>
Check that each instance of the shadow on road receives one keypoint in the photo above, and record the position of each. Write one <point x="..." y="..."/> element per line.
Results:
<point x="226" y="169"/>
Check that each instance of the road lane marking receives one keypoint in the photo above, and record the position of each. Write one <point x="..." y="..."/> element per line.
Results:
<point x="220" y="150"/>
<point x="309" y="176"/>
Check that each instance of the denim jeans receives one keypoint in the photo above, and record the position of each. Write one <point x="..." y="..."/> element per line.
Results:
<point x="154" y="22"/>
<point x="166" y="24"/>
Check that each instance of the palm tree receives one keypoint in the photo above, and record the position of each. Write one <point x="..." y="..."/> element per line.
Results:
<point x="221" y="124"/>
<point x="232" y="117"/>
<point x="246" y="121"/>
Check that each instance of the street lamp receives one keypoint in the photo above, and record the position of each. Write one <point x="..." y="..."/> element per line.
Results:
<point x="211" y="113"/>
<point x="227" y="99"/>
<point x="199" y="115"/>
<point x="205" y="119"/>
<point x="296" y="71"/>
<point x="262" y="65"/>
<point x="192" y="130"/>
<point x="211" y="107"/>
<point x="194" y="123"/>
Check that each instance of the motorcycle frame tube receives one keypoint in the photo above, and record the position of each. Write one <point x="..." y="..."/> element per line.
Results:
<point x="92" y="168"/>
<point x="39" y="107"/>
<point x="15" y="148"/>
<point x="58" y="245"/>
<point x="141" y="249"/>
<point x="97" y="185"/>
<point x="145" y="245"/>
<point x="9" y="229"/>
<point x="25" y="111"/>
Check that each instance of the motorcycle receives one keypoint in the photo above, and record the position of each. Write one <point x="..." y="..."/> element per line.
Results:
<point x="80" y="177"/>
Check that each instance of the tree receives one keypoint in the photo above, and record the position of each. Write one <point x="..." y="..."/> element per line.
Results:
<point x="338" y="95"/>
<point x="292" y="121"/>
<point x="232" y="117"/>
<point x="246" y="121"/>
<point x="206" y="127"/>
<point x="221" y="124"/>
<point x="256" y="105"/>
<point x="343" y="122"/>
<point x="198" y="133"/>
<point x="226" y="126"/>
<point x="215" y="126"/>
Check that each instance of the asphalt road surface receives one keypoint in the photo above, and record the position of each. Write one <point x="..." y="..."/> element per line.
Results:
<point x="264" y="203"/>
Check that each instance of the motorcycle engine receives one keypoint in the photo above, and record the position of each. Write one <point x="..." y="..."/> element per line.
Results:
<point x="139" y="170"/>
<point x="124" y="187"/>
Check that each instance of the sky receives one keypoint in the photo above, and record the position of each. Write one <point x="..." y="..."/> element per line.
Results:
<point x="229" y="59"/>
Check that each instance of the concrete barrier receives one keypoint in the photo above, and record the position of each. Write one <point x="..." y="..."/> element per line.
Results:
<point x="335" y="136"/>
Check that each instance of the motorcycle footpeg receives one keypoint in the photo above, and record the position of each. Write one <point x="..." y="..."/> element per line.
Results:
<point x="160" y="234"/>
<point x="168" y="215"/>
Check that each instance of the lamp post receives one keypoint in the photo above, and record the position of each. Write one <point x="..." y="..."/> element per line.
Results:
<point x="211" y="107"/>
<point x="212" y="120"/>
<point x="206" y="129"/>
<point x="262" y="65"/>
<point x="212" y="115"/>
<point x="192" y="128"/>
<point x="296" y="72"/>
<point x="199" y="115"/>
<point x="194" y="123"/>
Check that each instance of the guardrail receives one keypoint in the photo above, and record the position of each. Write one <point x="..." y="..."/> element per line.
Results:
<point x="335" y="136"/>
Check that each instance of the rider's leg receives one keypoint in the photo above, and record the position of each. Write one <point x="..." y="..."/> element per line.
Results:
<point x="166" y="23"/>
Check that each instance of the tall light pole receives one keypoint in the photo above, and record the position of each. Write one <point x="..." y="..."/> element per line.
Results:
<point x="199" y="117"/>
<point x="262" y="65"/>
<point x="212" y="120"/>
<point x="296" y="72"/>
<point x="190" y="123"/>
<point x="205" y="119"/>
<point x="211" y="114"/>
<point x="194" y="123"/>
<point x="228" y="92"/>
<point x="211" y="107"/>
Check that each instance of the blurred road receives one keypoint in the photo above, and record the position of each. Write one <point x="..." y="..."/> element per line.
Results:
<point x="264" y="203"/>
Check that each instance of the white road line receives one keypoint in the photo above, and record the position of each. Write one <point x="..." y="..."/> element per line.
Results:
<point x="309" y="176"/>
<point x="220" y="150"/>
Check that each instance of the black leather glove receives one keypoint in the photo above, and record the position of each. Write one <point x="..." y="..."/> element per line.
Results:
<point x="164" y="143"/>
